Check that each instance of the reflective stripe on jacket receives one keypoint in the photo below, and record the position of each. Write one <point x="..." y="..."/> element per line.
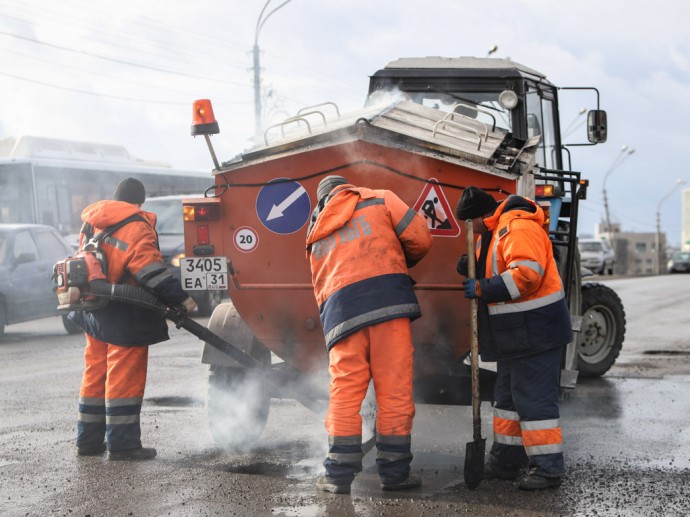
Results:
<point x="359" y="249"/>
<point x="527" y="310"/>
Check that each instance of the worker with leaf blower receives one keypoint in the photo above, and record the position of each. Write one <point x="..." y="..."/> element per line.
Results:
<point x="118" y="335"/>
<point x="360" y="245"/>
<point x="523" y="324"/>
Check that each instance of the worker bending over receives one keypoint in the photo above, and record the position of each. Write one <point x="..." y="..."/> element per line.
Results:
<point x="360" y="245"/>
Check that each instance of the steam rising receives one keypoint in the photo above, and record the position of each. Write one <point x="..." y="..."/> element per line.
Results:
<point x="385" y="98"/>
<point x="238" y="406"/>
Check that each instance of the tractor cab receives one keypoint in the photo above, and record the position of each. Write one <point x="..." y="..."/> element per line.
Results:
<point x="498" y="92"/>
<point x="507" y="96"/>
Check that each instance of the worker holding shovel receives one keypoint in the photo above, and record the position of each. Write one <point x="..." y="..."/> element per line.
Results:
<point x="523" y="323"/>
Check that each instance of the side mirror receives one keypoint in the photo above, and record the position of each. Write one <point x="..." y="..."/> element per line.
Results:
<point x="596" y="126"/>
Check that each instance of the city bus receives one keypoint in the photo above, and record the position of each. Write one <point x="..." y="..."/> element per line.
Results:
<point x="50" y="181"/>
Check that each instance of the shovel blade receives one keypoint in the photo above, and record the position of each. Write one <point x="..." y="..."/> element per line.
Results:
<point x="474" y="462"/>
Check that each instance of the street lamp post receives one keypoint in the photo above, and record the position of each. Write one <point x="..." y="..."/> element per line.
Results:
<point x="257" y="67"/>
<point x="657" y="241"/>
<point x="625" y="153"/>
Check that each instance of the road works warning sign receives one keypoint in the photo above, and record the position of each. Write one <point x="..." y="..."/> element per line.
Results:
<point x="433" y="205"/>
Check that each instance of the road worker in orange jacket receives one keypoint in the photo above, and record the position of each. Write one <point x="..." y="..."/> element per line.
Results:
<point x="117" y="336"/>
<point x="360" y="245"/>
<point x="524" y="323"/>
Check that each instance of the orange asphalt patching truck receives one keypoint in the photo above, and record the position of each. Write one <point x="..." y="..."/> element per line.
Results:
<point x="430" y="127"/>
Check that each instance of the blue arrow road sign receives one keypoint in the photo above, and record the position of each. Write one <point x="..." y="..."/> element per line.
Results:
<point x="283" y="206"/>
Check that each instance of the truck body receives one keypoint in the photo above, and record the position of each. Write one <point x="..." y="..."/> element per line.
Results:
<point x="430" y="128"/>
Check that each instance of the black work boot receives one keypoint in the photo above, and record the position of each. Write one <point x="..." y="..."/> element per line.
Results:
<point x="333" y="486"/>
<point x="533" y="480"/>
<point x="141" y="453"/>
<point x="412" y="481"/>
<point x="494" y="470"/>
<point x="81" y="451"/>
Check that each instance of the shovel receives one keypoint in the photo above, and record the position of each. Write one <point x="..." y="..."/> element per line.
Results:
<point x="474" y="450"/>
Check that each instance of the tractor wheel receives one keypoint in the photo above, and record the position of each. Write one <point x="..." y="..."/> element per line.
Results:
<point x="71" y="327"/>
<point x="603" y="329"/>
<point x="238" y="398"/>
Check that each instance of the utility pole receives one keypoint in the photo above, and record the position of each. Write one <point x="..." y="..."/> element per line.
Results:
<point x="625" y="153"/>
<point x="263" y="16"/>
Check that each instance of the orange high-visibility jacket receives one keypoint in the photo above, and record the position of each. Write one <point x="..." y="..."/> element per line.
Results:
<point x="527" y="310"/>
<point x="359" y="250"/>
<point x="133" y="257"/>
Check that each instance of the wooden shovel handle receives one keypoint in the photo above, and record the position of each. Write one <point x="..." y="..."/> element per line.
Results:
<point x="474" y="339"/>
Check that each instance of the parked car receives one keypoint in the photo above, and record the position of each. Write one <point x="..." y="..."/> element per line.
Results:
<point x="170" y="230"/>
<point x="597" y="256"/>
<point x="679" y="262"/>
<point x="28" y="253"/>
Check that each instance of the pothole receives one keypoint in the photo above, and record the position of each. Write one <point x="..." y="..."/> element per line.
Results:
<point x="259" y="469"/>
<point x="666" y="352"/>
<point x="175" y="402"/>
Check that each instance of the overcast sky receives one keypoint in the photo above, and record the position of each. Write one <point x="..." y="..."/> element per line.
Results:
<point x="126" y="72"/>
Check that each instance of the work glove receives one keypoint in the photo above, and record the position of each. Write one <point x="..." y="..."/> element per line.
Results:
<point x="472" y="288"/>
<point x="462" y="266"/>
<point x="189" y="304"/>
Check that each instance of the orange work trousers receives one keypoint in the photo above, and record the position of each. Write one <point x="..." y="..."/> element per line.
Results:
<point x="111" y="394"/>
<point x="383" y="352"/>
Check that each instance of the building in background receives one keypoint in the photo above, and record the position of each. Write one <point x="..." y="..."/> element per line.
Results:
<point x="635" y="251"/>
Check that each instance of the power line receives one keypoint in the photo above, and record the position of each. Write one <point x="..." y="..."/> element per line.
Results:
<point x="93" y="72"/>
<point x="95" y="94"/>
<point x="155" y="23"/>
<point x="116" y="60"/>
<point x="116" y="35"/>
<point x="320" y="79"/>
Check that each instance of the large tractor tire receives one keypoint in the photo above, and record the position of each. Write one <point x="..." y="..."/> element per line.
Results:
<point x="238" y="398"/>
<point x="603" y="329"/>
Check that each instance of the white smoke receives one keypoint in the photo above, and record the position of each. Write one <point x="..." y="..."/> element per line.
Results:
<point x="238" y="406"/>
<point x="384" y="98"/>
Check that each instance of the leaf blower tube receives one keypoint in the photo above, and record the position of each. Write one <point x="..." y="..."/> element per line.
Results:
<point x="144" y="298"/>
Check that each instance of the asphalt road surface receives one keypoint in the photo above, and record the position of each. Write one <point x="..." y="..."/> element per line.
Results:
<point x="627" y="437"/>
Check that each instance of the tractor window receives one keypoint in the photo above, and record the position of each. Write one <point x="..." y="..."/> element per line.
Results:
<point x="549" y="139"/>
<point x="540" y="121"/>
<point x="459" y="102"/>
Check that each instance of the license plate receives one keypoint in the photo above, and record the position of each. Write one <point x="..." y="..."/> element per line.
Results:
<point x="204" y="273"/>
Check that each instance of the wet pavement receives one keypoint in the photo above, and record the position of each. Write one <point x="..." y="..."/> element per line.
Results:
<point x="627" y="438"/>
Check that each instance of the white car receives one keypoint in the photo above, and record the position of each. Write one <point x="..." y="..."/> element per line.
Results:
<point x="597" y="256"/>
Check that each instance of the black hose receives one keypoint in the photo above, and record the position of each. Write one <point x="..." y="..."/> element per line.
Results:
<point x="144" y="298"/>
<point x="128" y="293"/>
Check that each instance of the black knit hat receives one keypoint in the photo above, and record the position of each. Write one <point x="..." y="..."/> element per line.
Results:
<point x="473" y="203"/>
<point x="327" y="184"/>
<point x="130" y="190"/>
